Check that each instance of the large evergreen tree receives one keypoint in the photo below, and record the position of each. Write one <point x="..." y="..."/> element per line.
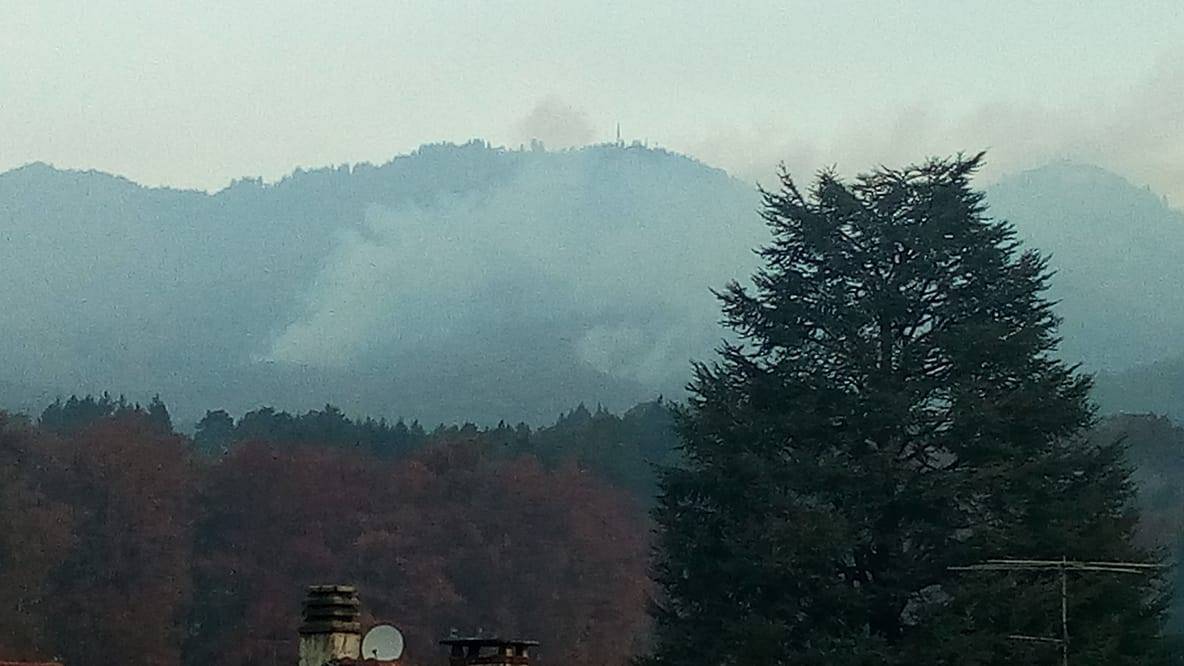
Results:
<point x="893" y="407"/>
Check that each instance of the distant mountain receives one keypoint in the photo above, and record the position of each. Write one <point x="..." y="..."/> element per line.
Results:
<point x="470" y="282"/>
<point x="455" y="283"/>
<point x="1156" y="388"/>
<point x="1116" y="251"/>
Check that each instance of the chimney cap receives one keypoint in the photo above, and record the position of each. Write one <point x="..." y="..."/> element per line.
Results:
<point x="330" y="609"/>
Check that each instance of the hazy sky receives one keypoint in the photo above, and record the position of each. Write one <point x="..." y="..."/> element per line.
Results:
<point x="194" y="94"/>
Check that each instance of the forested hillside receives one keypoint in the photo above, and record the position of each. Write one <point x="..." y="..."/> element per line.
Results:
<point x="1115" y="251"/>
<point x="459" y="282"/>
<point x="470" y="282"/>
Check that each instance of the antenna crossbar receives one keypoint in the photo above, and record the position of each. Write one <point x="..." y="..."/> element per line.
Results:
<point x="1063" y="567"/>
<point x="1035" y="639"/>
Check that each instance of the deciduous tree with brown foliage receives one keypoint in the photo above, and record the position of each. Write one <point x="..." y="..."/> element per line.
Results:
<point x="450" y="538"/>
<point x="120" y="595"/>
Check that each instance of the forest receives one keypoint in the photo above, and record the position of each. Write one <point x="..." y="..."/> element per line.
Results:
<point x="126" y="542"/>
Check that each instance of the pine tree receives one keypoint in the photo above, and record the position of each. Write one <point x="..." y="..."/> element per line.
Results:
<point x="159" y="417"/>
<point x="892" y="406"/>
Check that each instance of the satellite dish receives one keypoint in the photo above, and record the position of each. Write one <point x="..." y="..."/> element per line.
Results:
<point x="382" y="642"/>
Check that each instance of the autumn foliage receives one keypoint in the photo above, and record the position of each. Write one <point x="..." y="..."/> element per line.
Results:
<point x="121" y="545"/>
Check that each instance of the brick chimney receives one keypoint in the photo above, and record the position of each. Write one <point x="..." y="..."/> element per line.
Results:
<point x="331" y="629"/>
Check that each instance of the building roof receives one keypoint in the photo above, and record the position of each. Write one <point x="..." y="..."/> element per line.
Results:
<point x="485" y="641"/>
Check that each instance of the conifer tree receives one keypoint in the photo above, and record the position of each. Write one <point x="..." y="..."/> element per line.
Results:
<point x="892" y="406"/>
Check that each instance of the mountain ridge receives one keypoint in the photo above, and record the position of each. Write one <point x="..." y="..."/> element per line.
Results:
<point x="264" y="248"/>
<point x="471" y="282"/>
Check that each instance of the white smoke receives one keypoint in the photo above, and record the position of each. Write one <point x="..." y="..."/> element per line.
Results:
<point x="608" y="262"/>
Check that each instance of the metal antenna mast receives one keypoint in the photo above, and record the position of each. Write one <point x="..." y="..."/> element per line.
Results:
<point x="1063" y="566"/>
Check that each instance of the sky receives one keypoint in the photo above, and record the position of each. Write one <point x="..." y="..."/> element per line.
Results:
<point x="196" y="94"/>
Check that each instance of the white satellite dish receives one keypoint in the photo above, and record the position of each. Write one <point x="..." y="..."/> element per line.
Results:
<point x="382" y="642"/>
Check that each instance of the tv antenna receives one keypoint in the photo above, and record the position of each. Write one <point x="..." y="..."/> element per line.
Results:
<point x="1063" y="566"/>
<point x="383" y="642"/>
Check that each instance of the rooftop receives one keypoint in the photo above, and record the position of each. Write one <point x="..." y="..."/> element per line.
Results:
<point x="486" y="641"/>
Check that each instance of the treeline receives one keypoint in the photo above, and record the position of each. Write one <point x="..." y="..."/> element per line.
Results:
<point x="623" y="449"/>
<point x="126" y="542"/>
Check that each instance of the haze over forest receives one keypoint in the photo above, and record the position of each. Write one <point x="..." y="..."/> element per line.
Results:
<point x="471" y="282"/>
